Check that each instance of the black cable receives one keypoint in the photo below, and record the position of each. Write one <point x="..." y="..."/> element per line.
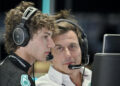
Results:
<point x="33" y="74"/>
<point x="83" y="75"/>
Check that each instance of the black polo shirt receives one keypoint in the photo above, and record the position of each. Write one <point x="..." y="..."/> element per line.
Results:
<point x="14" y="72"/>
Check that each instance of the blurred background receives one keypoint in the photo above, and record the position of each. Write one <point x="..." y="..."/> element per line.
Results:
<point x="96" y="17"/>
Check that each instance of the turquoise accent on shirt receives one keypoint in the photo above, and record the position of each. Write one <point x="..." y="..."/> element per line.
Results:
<point x="24" y="80"/>
<point x="34" y="79"/>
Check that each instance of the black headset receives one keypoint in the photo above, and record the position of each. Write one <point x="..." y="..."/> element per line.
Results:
<point x="84" y="41"/>
<point x="21" y="34"/>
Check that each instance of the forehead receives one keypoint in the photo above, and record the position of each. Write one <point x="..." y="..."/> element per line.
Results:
<point x="44" y="31"/>
<point x="66" y="38"/>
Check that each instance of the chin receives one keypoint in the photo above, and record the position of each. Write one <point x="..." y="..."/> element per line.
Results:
<point x="67" y="71"/>
<point x="42" y="59"/>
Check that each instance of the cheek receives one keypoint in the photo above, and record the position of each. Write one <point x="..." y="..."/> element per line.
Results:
<point x="77" y="56"/>
<point x="44" y="41"/>
<point x="41" y="44"/>
<point x="57" y="59"/>
<point x="77" y="53"/>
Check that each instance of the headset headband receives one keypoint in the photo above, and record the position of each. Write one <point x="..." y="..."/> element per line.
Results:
<point x="28" y="13"/>
<point x="74" y="24"/>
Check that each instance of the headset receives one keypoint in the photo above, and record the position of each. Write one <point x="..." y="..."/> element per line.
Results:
<point x="21" y="34"/>
<point x="83" y="45"/>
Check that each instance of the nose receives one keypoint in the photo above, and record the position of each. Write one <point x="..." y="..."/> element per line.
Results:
<point x="51" y="43"/>
<point x="67" y="53"/>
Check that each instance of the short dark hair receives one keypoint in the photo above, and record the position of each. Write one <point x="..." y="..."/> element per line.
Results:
<point x="64" y="26"/>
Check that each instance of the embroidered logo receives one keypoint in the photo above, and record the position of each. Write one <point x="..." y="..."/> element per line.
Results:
<point x="24" y="80"/>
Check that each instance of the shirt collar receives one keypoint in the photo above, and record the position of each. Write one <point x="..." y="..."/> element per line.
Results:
<point x="19" y="62"/>
<point x="59" y="77"/>
<point x="64" y="79"/>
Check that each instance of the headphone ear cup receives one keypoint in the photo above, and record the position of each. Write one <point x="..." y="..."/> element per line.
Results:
<point x="84" y="49"/>
<point x="21" y="35"/>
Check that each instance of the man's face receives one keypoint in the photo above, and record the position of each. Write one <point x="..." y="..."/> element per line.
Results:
<point x="39" y="46"/>
<point x="66" y="51"/>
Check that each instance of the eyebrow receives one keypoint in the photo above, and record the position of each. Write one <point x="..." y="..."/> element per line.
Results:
<point x="61" y="45"/>
<point x="57" y="45"/>
<point x="48" y="33"/>
<point x="73" y="43"/>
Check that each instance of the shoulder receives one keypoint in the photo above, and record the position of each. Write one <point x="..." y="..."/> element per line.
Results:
<point x="8" y="67"/>
<point x="42" y="79"/>
<point x="87" y="75"/>
<point x="11" y="75"/>
<point x="20" y="80"/>
<point x="8" y="73"/>
<point x="14" y="78"/>
<point x="88" y="72"/>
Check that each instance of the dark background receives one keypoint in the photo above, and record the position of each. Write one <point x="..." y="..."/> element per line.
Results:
<point x="88" y="6"/>
<point x="97" y="17"/>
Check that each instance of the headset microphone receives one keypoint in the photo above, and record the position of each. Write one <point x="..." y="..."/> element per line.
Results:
<point x="79" y="65"/>
<point x="49" y="57"/>
<point x="75" y="66"/>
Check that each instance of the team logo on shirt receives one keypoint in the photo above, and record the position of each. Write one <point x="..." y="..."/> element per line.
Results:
<point x="24" y="80"/>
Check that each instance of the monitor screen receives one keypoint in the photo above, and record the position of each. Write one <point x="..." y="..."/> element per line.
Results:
<point x="111" y="43"/>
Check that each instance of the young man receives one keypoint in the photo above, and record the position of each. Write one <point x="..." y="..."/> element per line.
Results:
<point x="69" y="52"/>
<point x="27" y="39"/>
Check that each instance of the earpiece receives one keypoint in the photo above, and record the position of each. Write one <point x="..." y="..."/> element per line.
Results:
<point x="21" y="34"/>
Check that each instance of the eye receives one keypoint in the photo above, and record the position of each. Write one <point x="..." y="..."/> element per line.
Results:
<point x="46" y="36"/>
<point x="59" y="49"/>
<point x="73" y="47"/>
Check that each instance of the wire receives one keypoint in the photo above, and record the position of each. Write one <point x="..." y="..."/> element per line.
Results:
<point x="33" y="74"/>
<point x="83" y="75"/>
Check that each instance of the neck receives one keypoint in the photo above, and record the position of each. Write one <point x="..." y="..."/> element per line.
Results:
<point x="24" y="55"/>
<point x="76" y="78"/>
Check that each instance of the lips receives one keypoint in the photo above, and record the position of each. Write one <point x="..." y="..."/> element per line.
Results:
<point x="68" y="63"/>
<point x="47" y="52"/>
